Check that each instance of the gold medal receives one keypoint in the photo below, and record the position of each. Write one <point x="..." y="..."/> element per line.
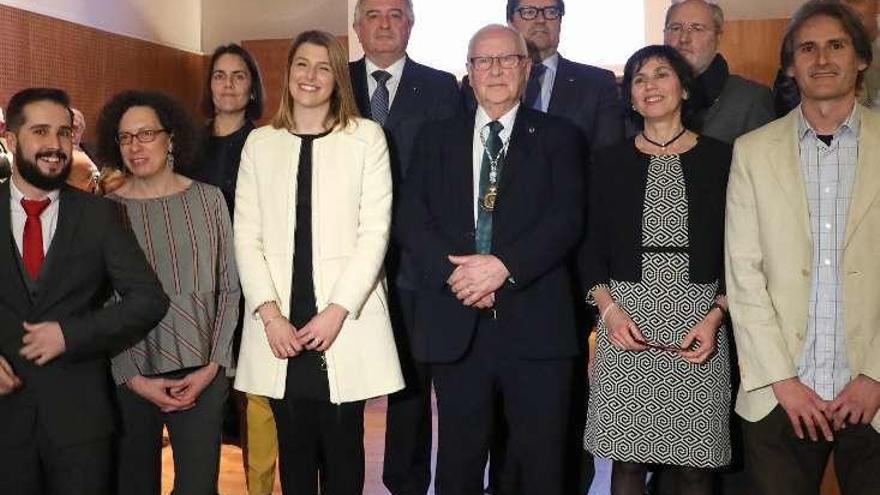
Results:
<point x="489" y="198"/>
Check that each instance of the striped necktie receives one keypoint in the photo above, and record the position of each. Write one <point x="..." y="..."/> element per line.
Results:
<point x="379" y="101"/>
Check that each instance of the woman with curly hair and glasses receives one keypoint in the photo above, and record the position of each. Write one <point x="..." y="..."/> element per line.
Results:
<point x="177" y="375"/>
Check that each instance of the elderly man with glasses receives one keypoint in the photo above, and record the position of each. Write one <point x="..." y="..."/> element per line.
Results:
<point x="491" y="211"/>
<point x="728" y="105"/>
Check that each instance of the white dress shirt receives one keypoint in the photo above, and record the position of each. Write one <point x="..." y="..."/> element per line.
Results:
<point x="396" y="71"/>
<point x="480" y="126"/>
<point x="48" y="219"/>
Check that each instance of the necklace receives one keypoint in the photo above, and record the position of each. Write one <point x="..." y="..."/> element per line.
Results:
<point x="491" y="195"/>
<point x="663" y="146"/>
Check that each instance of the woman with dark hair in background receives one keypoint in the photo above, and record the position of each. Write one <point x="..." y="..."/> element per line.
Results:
<point x="312" y="222"/>
<point x="232" y="99"/>
<point x="177" y="375"/>
<point x="653" y="261"/>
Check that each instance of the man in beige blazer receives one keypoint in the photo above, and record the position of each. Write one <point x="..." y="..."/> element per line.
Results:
<point x="803" y="269"/>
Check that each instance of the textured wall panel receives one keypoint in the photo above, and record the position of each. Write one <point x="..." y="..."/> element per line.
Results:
<point x="89" y="64"/>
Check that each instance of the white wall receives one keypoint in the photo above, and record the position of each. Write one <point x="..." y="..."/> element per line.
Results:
<point x="176" y="23"/>
<point x="226" y="21"/>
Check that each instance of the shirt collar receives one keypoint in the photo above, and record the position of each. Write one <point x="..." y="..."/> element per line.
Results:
<point x="851" y="124"/>
<point x="506" y="120"/>
<point x="15" y="194"/>
<point x="551" y="62"/>
<point x="395" y="69"/>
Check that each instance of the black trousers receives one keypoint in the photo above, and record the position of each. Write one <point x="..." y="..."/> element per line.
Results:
<point x="779" y="463"/>
<point x="40" y="467"/>
<point x="195" y="440"/>
<point x="407" y="465"/>
<point x="320" y="444"/>
<point x="534" y="396"/>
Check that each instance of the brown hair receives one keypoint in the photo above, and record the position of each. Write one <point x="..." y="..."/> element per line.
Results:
<point x="343" y="108"/>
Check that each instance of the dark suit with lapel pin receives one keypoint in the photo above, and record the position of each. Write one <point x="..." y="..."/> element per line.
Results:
<point x="522" y="351"/>
<point x="423" y="95"/>
<point x="55" y="430"/>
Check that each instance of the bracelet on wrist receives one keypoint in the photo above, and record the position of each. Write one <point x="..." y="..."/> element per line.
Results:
<point x="608" y="309"/>
<point x="718" y="306"/>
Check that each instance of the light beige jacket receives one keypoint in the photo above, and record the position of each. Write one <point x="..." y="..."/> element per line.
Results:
<point x="768" y="254"/>
<point x="351" y="219"/>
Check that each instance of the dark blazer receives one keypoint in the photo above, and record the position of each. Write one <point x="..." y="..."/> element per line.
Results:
<point x="423" y="95"/>
<point x="613" y="246"/>
<point x="90" y="254"/>
<point x="742" y="106"/>
<point x="585" y="95"/>
<point x="537" y="222"/>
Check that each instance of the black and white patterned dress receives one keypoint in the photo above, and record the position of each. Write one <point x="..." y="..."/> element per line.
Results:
<point x="653" y="406"/>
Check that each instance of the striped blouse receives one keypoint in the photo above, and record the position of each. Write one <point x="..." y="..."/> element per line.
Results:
<point x="187" y="239"/>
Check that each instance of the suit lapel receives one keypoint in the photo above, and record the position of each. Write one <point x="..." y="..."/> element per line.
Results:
<point x="787" y="168"/>
<point x="360" y="88"/>
<point x="10" y="270"/>
<point x="517" y="152"/>
<point x="407" y="96"/>
<point x="461" y="173"/>
<point x="69" y="216"/>
<point x="564" y="87"/>
<point x="867" y="181"/>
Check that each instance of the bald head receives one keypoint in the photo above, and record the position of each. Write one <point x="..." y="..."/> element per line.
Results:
<point x="498" y="31"/>
<point x="498" y="67"/>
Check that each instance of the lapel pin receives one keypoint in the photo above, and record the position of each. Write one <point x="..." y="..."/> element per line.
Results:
<point x="531" y="130"/>
<point x="571" y="79"/>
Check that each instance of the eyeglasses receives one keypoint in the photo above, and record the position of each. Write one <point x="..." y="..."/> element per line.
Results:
<point x="505" y="61"/>
<point x="678" y="28"/>
<point x="143" y="136"/>
<point x="530" y="13"/>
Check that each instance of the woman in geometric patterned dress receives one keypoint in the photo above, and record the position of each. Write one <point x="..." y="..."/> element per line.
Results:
<point x="660" y="391"/>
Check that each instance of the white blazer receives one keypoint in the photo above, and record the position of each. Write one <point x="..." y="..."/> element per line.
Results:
<point x="351" y="219"/>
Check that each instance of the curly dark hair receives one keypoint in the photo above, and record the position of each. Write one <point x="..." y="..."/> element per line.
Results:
<point x="174" y="119"/>
<point x="679" y="65"/>
<point x="254" y="108"/>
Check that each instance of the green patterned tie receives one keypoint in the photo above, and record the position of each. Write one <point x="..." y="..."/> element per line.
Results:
<point x="484" y="216"/>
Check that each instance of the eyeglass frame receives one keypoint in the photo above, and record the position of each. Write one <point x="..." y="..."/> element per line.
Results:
<point x="126" y="138"/>
<point x="560" y="11"/>
<point x="661" y="347"/>
<point x="499" y="59"/>
<point x="692" y="28"/>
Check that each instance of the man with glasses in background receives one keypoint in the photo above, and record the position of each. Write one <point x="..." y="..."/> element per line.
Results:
<point x="491" y="210"/>
<point x="727" y="105"/>
<point x="583" y="94"/>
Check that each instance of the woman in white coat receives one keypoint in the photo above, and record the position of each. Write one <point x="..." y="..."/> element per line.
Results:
<point x="312" y="220"/>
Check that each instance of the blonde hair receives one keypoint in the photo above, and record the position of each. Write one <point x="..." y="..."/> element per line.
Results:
<point x="343" y="108"/>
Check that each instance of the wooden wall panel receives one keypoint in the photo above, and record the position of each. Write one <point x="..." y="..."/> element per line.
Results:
<point x="752" y="48"/>
<point x="91" y="65"/>
<point x="271" y="56"/>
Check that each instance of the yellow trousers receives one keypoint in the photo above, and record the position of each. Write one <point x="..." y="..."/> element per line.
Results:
<point x="261" y="448"/>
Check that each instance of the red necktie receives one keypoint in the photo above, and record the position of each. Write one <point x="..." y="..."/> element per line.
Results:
<point x="32" y="240"/>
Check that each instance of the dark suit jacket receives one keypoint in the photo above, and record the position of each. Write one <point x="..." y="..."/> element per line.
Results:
<point x="91" y="252"/>
<point x="537" y="222"/>
<point x="423" y="95"/>
<point x="742" y="106"/>
<point x="585" y="95"/>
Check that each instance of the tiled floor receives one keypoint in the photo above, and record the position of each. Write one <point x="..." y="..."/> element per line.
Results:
<point x="232" y="475"/>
